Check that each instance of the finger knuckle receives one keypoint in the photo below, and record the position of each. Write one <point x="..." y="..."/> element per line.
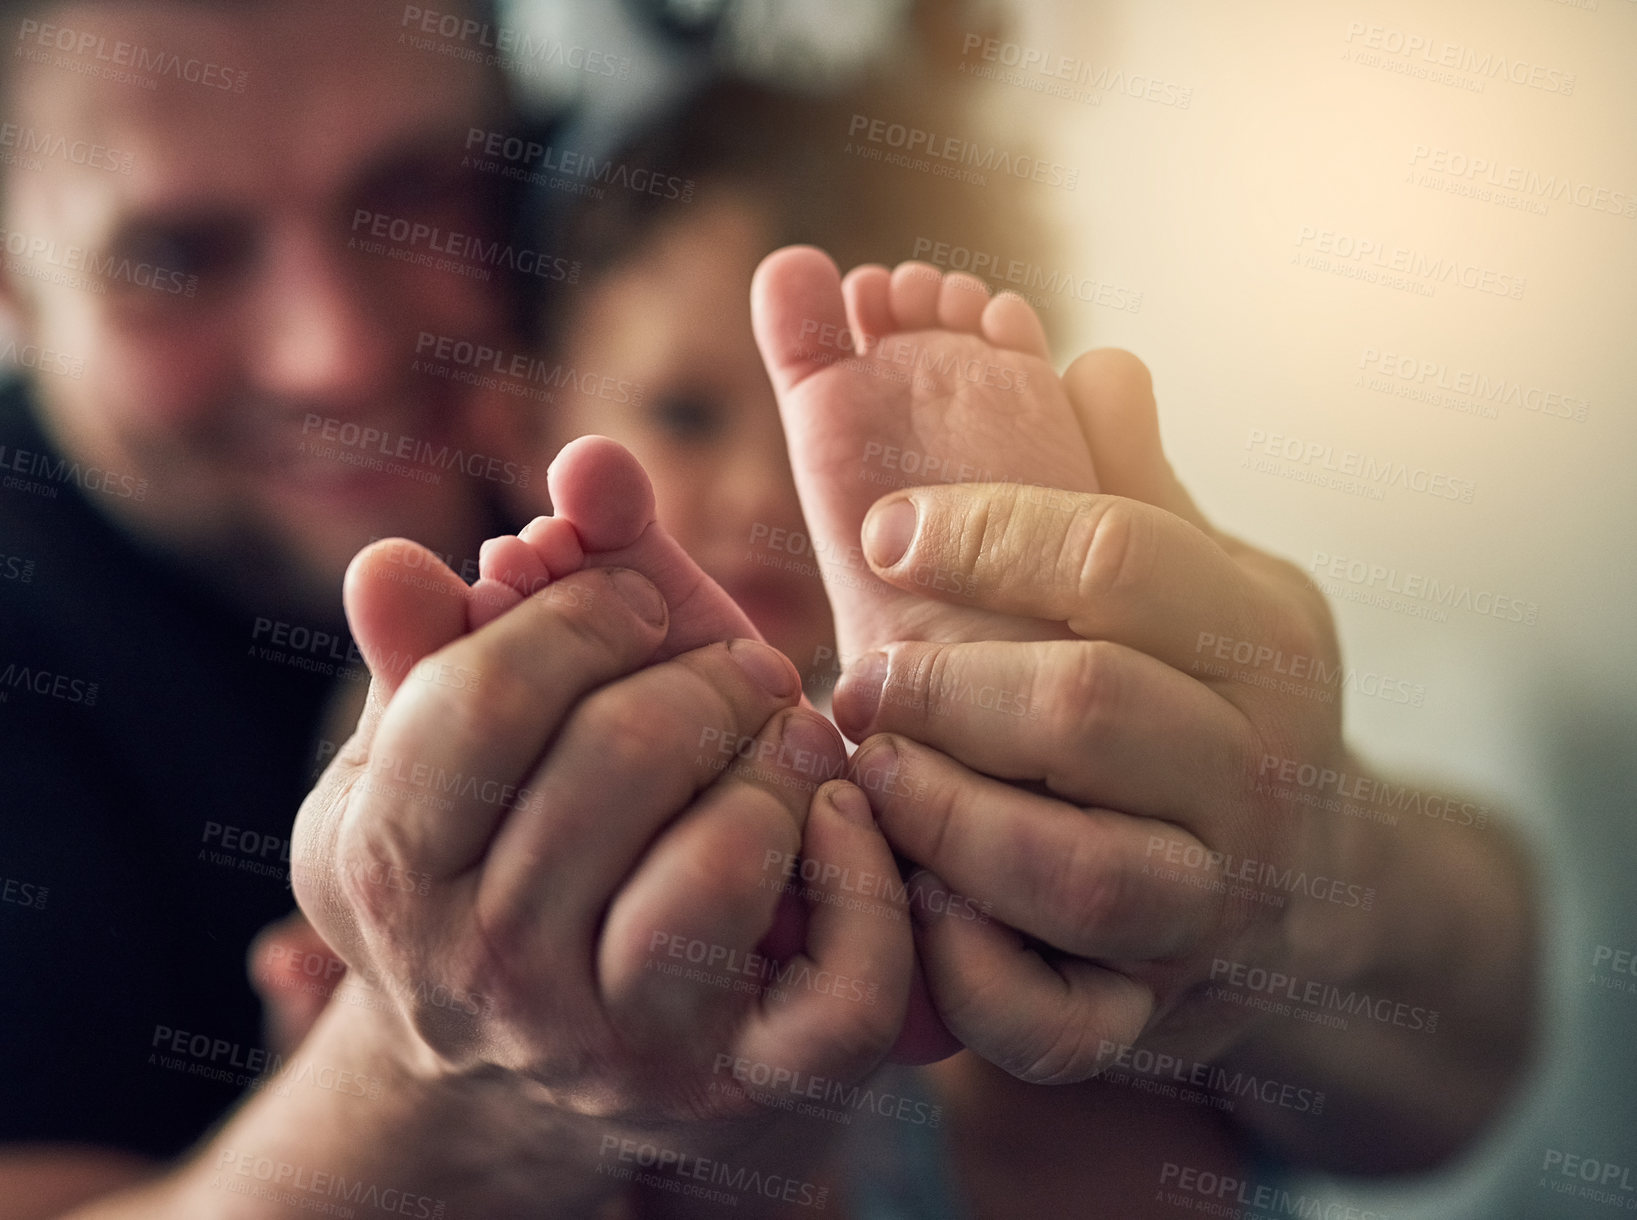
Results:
<point x="1092" y="686"/>
<point x="928" y="681"/>
<point x="1107" y="551"/>
<point x="505" y="948"/>
<point x="1002" y="532"/>
<point x="355" y="877"/>
<point x="446" y="1017"/>
<point x="980" y="534"/>
<point x="1090" y="894"/>
<point x="736" y="883"/>
<point x="1048" y="1045"/>
<point x="934" y="825"/>
<point x="627" y="731"/>
<point x="353" y="753"/>
<point x="466" y="720"/>
<point x="1066" y="1054"/>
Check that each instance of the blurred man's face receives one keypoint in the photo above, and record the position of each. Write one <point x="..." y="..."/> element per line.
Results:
<point x="242" y="351"/>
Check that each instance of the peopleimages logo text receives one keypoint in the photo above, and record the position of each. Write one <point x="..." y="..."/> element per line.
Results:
<point x="958" y="150"/>
<point x="121" y="54"/>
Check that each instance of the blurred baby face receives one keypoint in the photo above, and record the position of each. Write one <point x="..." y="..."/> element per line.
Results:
<point x="674" y="318"/>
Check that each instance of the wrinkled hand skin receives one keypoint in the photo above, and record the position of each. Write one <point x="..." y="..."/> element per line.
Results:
<point x="525" y="827"/>
<point x="1097" y="796"/>
<point x="1119" y="836"/>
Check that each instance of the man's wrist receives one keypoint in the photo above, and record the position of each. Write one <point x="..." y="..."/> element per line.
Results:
<point x="364" y="1115"/>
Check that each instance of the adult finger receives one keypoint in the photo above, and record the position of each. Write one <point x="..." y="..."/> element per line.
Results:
<point x="1044" y="1021"/>
<point x="678" y="960"/>
<point x="1109" y="568"/>
<point x="834" y="1010"/>
<point x="1113" y="397"/>
<point x="403" y="604"/>
<point x="1082" y="880"/>
<point x="629" y="759"/>
<point x="1095" y="723"/>
<point x="457" y="739"/>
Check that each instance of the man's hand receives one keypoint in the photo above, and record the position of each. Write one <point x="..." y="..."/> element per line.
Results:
<point x="533" y="847"/>
<point x="1115" y="875"/>
<point x="1142" y="810"/>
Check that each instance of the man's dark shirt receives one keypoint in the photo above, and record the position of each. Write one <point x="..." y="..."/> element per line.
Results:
<point x="155" y="744"/>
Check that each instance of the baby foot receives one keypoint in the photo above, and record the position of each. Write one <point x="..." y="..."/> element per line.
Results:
<point x="605" y="517"/>
<point x="903" y="379"/>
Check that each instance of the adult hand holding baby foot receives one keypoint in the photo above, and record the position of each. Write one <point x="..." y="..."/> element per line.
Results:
<point x="1099" y="793"/>
<point x="529" y="823"/>
<point x="1081" y="698"/>
<point x="930" y="369"/>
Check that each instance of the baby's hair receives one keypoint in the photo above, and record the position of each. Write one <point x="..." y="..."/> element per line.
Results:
<point x="798" y="157"/>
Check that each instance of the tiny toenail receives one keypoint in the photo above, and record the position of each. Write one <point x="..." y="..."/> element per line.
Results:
<point x="766" y="667"/>
<point x="888" y="532"/>
<point x="639" y="593"/>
